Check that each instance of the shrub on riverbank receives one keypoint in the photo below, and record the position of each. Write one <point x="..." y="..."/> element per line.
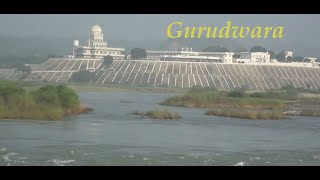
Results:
<point x="159" y="114"/>
<point x="236" y="103"/>
<point x="48" y="102"/>
<point x="310" y="112"/>
<point x="237" y="93"/>
<point x="247" y="114"/>
<point x="212" y="98"/>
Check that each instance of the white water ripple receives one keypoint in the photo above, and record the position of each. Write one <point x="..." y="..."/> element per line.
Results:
<point x="60" y="162"/>
<point x="3" y="149"/>
<point x="240" y="164"/>
<point x="6" y="157"/>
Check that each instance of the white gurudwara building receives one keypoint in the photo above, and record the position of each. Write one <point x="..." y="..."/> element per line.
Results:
<point x="187" y="54"/>
<point x="255" y="57"/>
<point x="96" y="47"/>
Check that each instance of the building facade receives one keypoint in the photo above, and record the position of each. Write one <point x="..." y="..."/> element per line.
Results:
<point x="187" y="54"/>
<point x="256" y="57"/>
<point x="8" y="70"/>
<point x="96" y="47"/>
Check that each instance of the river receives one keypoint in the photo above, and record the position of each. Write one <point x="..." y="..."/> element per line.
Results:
<point x="112" y="136"/>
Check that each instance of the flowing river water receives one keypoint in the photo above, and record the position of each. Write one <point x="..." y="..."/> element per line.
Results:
<point x="112" y="136"/>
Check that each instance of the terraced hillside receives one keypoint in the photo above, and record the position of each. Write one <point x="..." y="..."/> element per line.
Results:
<point x="60" y="70"/>
<point x="222" y="76"/>
<point x="182" y="74"/>
<point x="13" y="76"/>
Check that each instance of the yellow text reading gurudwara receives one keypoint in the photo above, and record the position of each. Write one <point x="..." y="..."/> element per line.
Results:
<point x="227" y="31"/>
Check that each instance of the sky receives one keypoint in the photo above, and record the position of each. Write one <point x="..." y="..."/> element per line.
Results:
<point x="301" y="31"/>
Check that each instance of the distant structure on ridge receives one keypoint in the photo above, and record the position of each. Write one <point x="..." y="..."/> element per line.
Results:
<point x="96" y="47"/>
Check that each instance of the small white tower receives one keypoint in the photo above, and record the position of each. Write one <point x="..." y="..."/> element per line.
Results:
<point x="288" y="53"/>
<point x="76" y="43"/>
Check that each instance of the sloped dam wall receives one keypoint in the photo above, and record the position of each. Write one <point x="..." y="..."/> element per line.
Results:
<point x="181" y="74"/>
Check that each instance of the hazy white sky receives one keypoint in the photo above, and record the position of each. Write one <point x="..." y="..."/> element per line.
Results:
<point x="301" y="30"/>
<point x="144" y="26"/>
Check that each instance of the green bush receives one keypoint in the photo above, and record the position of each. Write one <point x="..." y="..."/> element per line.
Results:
<point x="68" y="97"/>
<point x="47" y="102"/>
<point x="257" y="95"/>
<point x="273" y="95"/>
<point x="46" y="95"/>
<point x="10" y="89"/>
<point x="237" y="93"/>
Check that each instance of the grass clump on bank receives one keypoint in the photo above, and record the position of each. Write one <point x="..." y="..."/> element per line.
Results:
<point x="212" y="98"/>
<point x="247" y="114"/>
<point x="250" y="105"/>
<point x="48" y="102"/>
<point x="236" y="103"/>
<point x="310" y="112"/>
<point x="159" y="114"/>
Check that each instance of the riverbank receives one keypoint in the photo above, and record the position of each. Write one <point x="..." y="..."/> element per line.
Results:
<point x="162" y="114"/>
<point x="125" y="89"/>
<point x="247" y="105"/>
<point x="108" y="88"/>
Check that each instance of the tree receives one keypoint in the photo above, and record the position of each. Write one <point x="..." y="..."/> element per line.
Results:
<point x="281" y="56"/>
<point x="82" y="76"/>
<point x="272" y="54"/>
<point x="298" y="58"/>
<point x="107" y="60"/>
<point x="215" y="49"/>
<point x="289" y="59"/>
<point x="258" y="49"/>
<point x="47" y="95"/>
<point x="239" y="50"/>
<point x="138" y="53"/>
<point x="60" y="95"/>
<point x="68" y="97"/>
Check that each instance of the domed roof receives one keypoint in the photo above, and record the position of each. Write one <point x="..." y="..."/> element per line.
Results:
<point x="96" y="29"/>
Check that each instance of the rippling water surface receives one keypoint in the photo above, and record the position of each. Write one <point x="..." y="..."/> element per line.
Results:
<point x="112" y="136"/>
